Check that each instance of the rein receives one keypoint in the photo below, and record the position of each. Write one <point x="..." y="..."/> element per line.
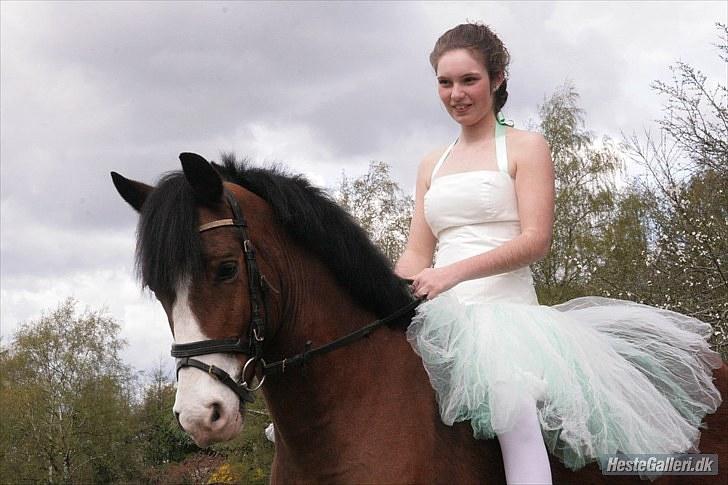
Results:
<point x="258" y="287"/>
<point x="279" y="367"/>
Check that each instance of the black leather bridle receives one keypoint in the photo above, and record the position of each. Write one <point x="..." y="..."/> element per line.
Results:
<point x="252" y="345"/>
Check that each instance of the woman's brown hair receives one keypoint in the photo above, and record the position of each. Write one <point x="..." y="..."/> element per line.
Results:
<point x="486" y="46"/>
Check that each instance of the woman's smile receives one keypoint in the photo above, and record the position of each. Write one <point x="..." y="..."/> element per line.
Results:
<point x="464" y="86"/>
<point x="461" y="108"/>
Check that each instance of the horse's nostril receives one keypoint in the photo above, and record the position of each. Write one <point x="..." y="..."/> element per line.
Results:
<point x="176" y="417"/>
<point x="215" y="412"/>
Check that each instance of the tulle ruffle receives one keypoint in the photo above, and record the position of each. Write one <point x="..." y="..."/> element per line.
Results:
<point x="608" y="375"/>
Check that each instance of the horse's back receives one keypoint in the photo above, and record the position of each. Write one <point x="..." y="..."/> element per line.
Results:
<point x="468" y="460"/>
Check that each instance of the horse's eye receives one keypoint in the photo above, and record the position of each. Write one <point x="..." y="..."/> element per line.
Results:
<point x="227" y="271"/>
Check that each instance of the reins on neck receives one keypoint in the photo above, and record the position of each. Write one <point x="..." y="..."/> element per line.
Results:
<point x="279" y="367"/>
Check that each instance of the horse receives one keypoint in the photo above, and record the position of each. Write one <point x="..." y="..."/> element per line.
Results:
<point x="263" y="276"/>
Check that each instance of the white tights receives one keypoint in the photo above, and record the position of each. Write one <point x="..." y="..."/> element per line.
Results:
<point x="524" y="452"/>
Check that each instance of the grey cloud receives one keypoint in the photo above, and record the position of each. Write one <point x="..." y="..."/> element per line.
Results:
<point x="134" y="85"/>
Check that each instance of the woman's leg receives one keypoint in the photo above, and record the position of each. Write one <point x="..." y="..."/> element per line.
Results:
<point x="524" y="452"/>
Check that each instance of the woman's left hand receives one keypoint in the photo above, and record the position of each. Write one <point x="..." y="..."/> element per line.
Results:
<point x="430" y="282"/>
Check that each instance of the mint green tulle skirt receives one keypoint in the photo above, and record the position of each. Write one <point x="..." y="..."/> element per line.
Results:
<point x="607" y="375"/>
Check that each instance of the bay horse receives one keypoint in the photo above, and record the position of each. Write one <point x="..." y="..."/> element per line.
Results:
<point x="253" y="266"/>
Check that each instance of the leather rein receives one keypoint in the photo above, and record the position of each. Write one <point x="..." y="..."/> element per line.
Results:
<point x="252" y="344"/>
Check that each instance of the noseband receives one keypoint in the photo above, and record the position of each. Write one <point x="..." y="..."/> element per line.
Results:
<point x="252" y="345"/>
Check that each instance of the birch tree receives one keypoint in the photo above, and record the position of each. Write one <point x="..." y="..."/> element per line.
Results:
<point x="66" y="401"/>
<point x="380" y="206"/>
<point x="585" y="196"/>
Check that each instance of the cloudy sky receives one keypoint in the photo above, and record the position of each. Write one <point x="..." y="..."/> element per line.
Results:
<point x="87" y="88"/>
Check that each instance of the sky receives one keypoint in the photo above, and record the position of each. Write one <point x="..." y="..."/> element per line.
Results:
<point x="324" y="88"/>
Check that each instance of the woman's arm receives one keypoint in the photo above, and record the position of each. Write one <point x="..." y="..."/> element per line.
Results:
<point x="420" y="248"/>
<point x="535" y="193"/>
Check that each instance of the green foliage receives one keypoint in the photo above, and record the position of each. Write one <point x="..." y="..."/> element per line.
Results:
<point x="67" y="401"/>
<point x="585" y="197"/>
<point x="170" y="457"/>
<point x="162" y="440"/>
<point x="249" y="456"/>
<point x="662" y="239"/>
<point x="623" y="244"/>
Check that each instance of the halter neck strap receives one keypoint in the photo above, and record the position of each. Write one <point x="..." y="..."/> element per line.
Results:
<point x="442" y="159"/>
<point x="501" y="154"/>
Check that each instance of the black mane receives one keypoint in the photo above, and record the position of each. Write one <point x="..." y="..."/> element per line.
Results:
<point x="316" y="222"/>
<point x="169" y="247"/>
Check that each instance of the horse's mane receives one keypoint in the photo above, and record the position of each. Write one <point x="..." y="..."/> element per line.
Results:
<point x="169" y="246"/>
<point x="316" y="222"/>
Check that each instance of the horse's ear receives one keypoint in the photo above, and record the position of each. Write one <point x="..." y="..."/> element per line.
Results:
<point x="204" y="179"/>
<point x="133" y="192"/>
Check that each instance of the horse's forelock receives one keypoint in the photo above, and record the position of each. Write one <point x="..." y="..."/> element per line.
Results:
<point x="169" y="248"/>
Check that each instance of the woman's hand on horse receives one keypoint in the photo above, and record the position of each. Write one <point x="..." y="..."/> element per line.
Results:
<point x="431" y="282"/>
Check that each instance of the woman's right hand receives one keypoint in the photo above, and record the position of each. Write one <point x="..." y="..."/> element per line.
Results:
<point x="431" y="282"/>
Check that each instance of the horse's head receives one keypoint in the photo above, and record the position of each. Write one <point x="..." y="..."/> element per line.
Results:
<point x="194" y="253"/>
<point x="201" y="259"/>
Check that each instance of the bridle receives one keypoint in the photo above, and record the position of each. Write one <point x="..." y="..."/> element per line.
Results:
<point x="252" y="344"/>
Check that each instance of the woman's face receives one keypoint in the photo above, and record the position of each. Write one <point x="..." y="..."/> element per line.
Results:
<point x="464" y="86"/>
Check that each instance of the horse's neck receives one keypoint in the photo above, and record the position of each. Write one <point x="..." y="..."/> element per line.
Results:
<point x="364" y="412"/>
<point x="338" y="417"/>
<point x="321" y="312"/>
<point x="363" y="389"/>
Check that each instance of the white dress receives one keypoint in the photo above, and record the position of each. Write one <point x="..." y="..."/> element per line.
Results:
<point x="607" y="375"/>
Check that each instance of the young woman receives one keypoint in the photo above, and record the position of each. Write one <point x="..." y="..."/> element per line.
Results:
<point x="589" y="377"/>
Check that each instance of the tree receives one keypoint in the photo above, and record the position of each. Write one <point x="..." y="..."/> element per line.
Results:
<point x="696" y="119"/>
<point x="161" y="438"/>
<point x="66" y="400"/>
<point x="380" y="206"/>
<point x="623" y="247"/>
<point x="687" y="189"/>
<point x="170" y="456"/>
<point x="585" y="195"/>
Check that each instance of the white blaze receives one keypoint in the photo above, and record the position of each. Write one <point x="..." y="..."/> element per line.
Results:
<point x="196" y="390"/>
